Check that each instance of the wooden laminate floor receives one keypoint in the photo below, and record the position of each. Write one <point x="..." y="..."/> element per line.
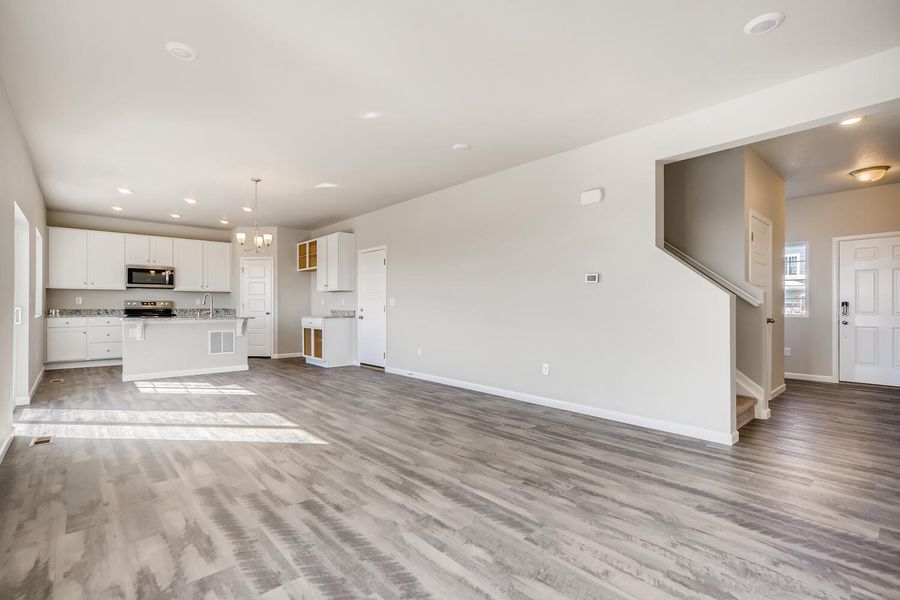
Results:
<point x="426" y="491"/>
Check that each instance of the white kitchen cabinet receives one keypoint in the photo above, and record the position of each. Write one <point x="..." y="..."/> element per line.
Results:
<point x="66" y="340"/>
<point x="202" y="266"/>
<point x="137" y="249"/>
<point x="67" y="258"/>
<point x="336" y="262"/>
<point x="217" y="264"/>
<point x="149" y="250"/>
<point x="327" y="342"/>
<point x="189" y="265"/>
<point x="74" y="339"/>
<point x="82" y="259"/>
<point x="105" y="260"/>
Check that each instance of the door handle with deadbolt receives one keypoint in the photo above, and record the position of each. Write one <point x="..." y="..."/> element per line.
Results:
<point x="770" y="320"/>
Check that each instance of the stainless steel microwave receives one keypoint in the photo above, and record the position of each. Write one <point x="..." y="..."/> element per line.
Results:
<point x="142" y="276"/>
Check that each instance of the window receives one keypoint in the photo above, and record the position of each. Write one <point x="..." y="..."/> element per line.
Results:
<point x="796" y="283"/>
<point x="38" y="274"/>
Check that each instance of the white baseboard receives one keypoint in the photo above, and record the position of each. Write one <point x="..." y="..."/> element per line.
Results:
<point x="82" y="364"/>
<point x="5" y="447"/>
<point x="288" y="355"/>
<point x="748" y="387"/>
<point x="808" y="377"/>
<point x="777" y="391"/>
<point x="26" y="400"/>
<point x="686" y="430"/>
<point x="184" y="373"/>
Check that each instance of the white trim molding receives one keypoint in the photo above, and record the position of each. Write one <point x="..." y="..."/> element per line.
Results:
<point x="5" y="447"/>
<point x="810" y="377"/>
<point x="185" y="372"/>
<point x="82" y="364"/>
<point x="659" y="425"/>
<point x="777" y="391"/>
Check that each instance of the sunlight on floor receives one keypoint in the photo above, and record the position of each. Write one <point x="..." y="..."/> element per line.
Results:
<point x="114" y="424"/>
<point x="152" y="417"/>
<point x="168" y="432"/>
<point x="196" y="388"/>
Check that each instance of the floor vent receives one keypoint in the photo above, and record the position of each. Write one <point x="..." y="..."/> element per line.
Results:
<point x="56" y="380"/>
<point x="41" y="440"/>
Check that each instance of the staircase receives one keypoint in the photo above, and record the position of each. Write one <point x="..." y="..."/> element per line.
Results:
<point x="745" y="407"/>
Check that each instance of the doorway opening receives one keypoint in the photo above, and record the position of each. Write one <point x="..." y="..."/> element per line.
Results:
<point x="371" y="310"/>
<point x="22" y="308"/>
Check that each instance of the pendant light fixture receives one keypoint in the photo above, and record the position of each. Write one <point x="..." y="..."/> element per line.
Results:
<point x="260" y="240"/>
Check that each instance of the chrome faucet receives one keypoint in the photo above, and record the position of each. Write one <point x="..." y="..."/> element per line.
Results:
<point x="203" y="303"/>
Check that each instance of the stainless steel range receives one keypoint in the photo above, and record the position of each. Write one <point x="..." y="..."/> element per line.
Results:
<point x="163" y="309"/>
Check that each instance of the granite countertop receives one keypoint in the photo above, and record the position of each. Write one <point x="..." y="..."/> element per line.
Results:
<point x="193" y="317"/>
<point x="334" y="314"/>
<point x="181" y="314"/>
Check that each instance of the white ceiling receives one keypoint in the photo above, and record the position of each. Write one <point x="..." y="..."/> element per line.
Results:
<point x="279" y="83"/>
<point x="818" y="161"/>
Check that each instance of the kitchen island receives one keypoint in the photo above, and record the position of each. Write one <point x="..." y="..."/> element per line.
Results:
<point x="157" y="347"/>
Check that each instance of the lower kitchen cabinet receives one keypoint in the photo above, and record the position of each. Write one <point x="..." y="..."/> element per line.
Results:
<point x="75" y="339"/>
<point x="327" y="342"/>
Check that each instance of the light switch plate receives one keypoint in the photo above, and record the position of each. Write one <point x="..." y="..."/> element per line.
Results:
<point x="787" y="351"/>
<point x="77" y="299"/>
<point x="591" y="196"/>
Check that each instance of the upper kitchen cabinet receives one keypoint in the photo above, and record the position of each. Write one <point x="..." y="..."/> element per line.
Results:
<point x="336" y="260"/>
<point x="149" y="250"/>
<point x="217" y="263"/>
<point x="307" y="255"/>
<point x="202" y="266"/>
<point x="80" y="259"/>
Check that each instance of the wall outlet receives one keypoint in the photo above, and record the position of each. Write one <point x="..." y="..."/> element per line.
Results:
<point x="393" y="301"/>
<point x="77" y="299"/>
<point x="419" y="351"/>
<point x="323" y="301"/>
<point x="343" y="302"/>
<point x="197" y="301"/>
<point x="787" y="352"/>
<point x="545" y="368"/>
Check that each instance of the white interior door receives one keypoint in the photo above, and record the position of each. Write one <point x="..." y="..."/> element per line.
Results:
<point x="256" y="302"/>
<point x="869" y="310"/>
<point x="372" y="315"/>
<point x="760" y="275"/>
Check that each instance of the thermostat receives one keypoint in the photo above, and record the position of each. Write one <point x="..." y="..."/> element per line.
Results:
<point x="592" y="277"/>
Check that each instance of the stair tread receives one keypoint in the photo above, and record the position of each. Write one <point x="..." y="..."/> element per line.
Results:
<point x="744" y="409"/>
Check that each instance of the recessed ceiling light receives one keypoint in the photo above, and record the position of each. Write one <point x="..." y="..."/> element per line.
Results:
<point x="461" y="147"/>
<point x="246" y="209"/>
<point x="851" y="121"/>
<point x="123" y="190"/>
<point x="181" y="51"/>
<point x="370" y="115"/>
<point x="870" y="174"/>
<point x="764" y="23"/>
<point x="190" y="201"/>
<point x="175" y="216"/>
<point x="224" y="221"/>
<point x="325" y="185"/>
<point x="118" y="208"/>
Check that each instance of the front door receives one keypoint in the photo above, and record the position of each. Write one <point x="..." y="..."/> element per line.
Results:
<point x="256" y="302"/>
<point x="869" y="310"/>
<point x="372" y="333"/>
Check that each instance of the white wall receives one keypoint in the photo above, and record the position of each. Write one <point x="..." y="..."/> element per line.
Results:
<point x="487" y="275"/>
<point x="18" y="185"/>
<point x="816" y="220"/>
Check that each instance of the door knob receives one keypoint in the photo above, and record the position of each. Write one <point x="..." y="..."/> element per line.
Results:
<point x="843" y="322"/>
<point x="360" y="317"/>
<point x="770" y="320"/>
